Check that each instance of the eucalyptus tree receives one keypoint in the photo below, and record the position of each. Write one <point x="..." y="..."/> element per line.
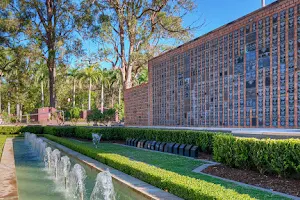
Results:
<point x="91" y="75"/>
<point x="49" y="26"/>
<point x="132" y="31"/>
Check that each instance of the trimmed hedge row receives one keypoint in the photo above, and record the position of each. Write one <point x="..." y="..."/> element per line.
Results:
<point x="202" y="139"/>
<point x="182" y="186"/>
<point x="13" y="130"/>
<point x="265" y="155"/>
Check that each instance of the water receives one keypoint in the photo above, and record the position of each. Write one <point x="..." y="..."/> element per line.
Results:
<point x="56" y="175"/>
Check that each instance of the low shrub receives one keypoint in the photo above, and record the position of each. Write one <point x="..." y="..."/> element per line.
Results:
<point x="12" y="130"/>
<point x="182" y="186"/>
<point x="60" y="131"/>
<point x="280" y="157"/>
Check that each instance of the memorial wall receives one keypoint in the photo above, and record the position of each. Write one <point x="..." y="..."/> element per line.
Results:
<point x="244" y="74"/>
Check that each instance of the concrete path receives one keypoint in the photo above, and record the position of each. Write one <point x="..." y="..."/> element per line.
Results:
<point x="8" y="180"/>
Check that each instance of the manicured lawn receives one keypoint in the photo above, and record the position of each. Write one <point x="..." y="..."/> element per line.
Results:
<point x="177" y="164"/>
<point x="2" y="142"/>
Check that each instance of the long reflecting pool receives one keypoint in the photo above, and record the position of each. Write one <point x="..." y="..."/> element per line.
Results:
<point x="36" y="183"/>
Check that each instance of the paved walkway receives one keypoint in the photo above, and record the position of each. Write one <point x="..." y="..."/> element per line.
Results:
<point x="8" y="180"/>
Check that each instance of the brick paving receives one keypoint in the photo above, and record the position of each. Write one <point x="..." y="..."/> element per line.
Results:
<point x="8" y="180"/>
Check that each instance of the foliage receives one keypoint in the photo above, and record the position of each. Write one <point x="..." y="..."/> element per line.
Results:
<point x="130" y="32"/>
<point x="180" y="185"/>
<point x="280" y="157"/>
<point x="97" y="117"/>
<point x="120" y="109"/>
<point x="12" y="130"/>
<point x="2" y="142"/>
<point x="202" y="139"/>
<point x="75" y="114"/>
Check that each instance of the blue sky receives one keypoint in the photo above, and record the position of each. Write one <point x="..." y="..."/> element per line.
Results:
<point x="214" y="13"/>
<point x="219" y="12"/>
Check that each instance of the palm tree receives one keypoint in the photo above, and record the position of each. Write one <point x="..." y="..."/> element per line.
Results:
<point x="104" y="80"/>
<point x="41" y="76"/>
<point x="74" y="75"/>
<point x="91" y="75"/>
<point x="116" y="82"/>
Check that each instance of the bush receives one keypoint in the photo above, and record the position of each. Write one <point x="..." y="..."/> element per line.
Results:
<point x="266" y="155"/>
<point x="200" y="138"/>
<point x="60" y="131"/>
<point x="12" y="130"/>
<point x="182" y="186"/>
<point x="75" y="114"/>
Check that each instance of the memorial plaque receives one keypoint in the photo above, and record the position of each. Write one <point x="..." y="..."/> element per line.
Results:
<point x="141" y="143"/>
<point x="128" y="141"/>
<point x="146" y="144"/>
<point x="170" y="147"/>
<point x="181" y="149"/>
<point x="176" y="148"/>
<point x="131" y="141"/>
<point x="194" y="151"/>
<point x="166" y="147"/>
<point x="152" y="146"/>
<point x="157" y="146"/>
<point x="135" y="142"/>
<point x="187" y="150"/>
<point x="162" y="146"/>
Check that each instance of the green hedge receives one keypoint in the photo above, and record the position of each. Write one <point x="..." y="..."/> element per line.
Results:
<point x="203" y="139"/>
<point x="265" y="155"/>
<point x="12" y="130"/>
<point x="182" y="186"/>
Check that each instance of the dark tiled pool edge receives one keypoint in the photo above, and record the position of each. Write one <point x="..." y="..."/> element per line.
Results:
<point x="140" y="186"/>
<point x="8" y="178"/>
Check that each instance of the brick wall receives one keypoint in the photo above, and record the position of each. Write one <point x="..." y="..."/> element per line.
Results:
<point x="136" y="106"/>
<point x="243" y="74"/>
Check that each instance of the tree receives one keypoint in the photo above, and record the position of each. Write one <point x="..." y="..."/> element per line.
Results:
<point x="74" y="75"/>
<point x="47" y="25"/>
<point x="104" y="79"/>
<point x="131" y="31"/>
<point x="91" y="75"/>
<point x="41" y="77"/>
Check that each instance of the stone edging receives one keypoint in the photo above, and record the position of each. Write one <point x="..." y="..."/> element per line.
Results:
<point x="140" y="186"/>
<point x="8" y="178"/>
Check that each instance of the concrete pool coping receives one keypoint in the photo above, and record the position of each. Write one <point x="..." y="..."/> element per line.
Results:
<point x="8" y="178"/>
<point x="149" y="191"/>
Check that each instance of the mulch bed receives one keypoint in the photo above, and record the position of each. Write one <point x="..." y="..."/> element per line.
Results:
<point x="205" y="156"/>
<point x="279" y="184"/>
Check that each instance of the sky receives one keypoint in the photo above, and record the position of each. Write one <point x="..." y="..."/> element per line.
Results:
<point x="214" y="13"/>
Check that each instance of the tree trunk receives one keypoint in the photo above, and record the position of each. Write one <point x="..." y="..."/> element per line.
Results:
<point x="120" y="95"/>
<point x="0" y="102"/>
<point x="8" y="109"/>
<point x="52" y="74"/>
<point x="102" y="98"/>
<point x="74" y="90"/>
<point x="90" y="93"/>
<point x="42" y="93"/>
<point x="112" y="101"/>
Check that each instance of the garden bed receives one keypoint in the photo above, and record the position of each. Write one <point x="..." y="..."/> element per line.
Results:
<point x="275" y="183"/>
